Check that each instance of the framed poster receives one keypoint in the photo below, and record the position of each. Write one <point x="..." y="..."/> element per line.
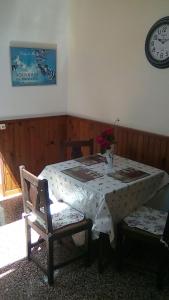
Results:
<point x="32" y="65"/>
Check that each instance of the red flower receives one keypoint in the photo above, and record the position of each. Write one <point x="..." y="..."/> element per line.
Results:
<point x="108" y="132"/>
<point x="99" y="139"/>
<point x="106" y="139"/>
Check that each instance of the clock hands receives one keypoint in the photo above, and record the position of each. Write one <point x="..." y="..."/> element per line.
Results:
<point x="157" y="44"/>
<point x="163" y="41"/>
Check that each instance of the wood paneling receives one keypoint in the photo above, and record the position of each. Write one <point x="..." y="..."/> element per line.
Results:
<point x="37" y="142"/>
<point x="149" y="148"/>
<point x="33" y="142"/>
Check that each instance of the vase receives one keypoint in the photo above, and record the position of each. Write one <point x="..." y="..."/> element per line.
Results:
<point x="109" y="157"/>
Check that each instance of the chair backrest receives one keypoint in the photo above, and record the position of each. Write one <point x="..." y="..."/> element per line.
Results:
<point x="36" y="200"/>
<point x="165" y="236"/>
<point x="78" y="146"/>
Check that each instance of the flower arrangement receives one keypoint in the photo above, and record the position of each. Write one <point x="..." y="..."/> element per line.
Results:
<point x="106" y="139"/>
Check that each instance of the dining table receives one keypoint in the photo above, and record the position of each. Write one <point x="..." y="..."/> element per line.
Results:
<point x="102" y="194"/>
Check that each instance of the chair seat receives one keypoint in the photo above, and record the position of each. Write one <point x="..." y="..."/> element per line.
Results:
<point x="62" y="215"/>
<point x="147" y="219"/>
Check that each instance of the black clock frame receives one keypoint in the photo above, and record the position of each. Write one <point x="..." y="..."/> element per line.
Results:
<point x="158" y="64"/>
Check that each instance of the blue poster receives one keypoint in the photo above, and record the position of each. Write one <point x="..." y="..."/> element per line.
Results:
<point x="33" y="66"/>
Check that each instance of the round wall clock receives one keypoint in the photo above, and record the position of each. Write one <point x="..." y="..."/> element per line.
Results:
<point x="157" y="44"/>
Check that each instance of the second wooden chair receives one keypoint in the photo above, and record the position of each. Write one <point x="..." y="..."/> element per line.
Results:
<point x="147" y="228"/>
<point x="77" y="147"/>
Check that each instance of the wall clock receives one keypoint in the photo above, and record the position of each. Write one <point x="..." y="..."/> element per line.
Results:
<point x="157" y="44"/>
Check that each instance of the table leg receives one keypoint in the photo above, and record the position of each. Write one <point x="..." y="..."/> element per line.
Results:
<point x="104" y="243"/>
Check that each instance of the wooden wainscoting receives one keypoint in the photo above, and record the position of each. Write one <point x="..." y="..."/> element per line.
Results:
<point x="33" y="142"/>
<point x="36" y="142"/>
<point x="149" y="148"/>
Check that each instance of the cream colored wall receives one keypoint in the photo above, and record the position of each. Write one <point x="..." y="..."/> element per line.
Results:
<point x="39" y="21"/>
<point x="109" y="75"/>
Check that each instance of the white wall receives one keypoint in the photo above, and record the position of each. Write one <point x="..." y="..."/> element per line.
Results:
<point x="109" y="75"/>
<point x="43" y="21"/>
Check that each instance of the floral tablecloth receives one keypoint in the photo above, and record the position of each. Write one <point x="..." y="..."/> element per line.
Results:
<point x="105" y="200"/>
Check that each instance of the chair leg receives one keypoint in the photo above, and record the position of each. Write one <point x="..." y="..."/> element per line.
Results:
<point x="50" y="263"/>
<point x="28" y="239"/>
<point x="163" y="255"/>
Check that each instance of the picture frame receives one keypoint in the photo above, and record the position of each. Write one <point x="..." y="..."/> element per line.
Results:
<point x="33" y="64"/>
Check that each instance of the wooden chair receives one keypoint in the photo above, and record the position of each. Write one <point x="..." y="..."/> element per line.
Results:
<point x="147" y="227"/>
<point x="77" y="147"/>
<point x="64" y="221"/>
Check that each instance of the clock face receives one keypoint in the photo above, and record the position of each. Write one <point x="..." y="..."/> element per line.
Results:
<point x="157" y="44"/>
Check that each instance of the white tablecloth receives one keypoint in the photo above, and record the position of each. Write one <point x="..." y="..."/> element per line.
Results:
<point x="105" y="200"/>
